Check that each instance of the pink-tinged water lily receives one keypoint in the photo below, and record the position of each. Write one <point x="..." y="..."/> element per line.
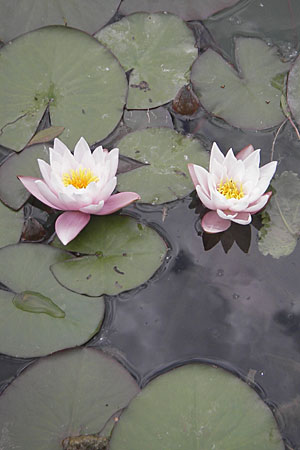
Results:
<point x="80" y="184"/>
<point x="233" y="189"/>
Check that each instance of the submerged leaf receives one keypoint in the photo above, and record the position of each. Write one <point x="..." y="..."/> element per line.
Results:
<point x="46" y="135"/>
<point x="293" y="90"/>
<point x="281" y="218"/>
<point x="247" y="98"/>
<point x="34" y="302"/>
<point x="157" y="49"/>
<point x="164" y="177"/>
<point x="197" y="407"/>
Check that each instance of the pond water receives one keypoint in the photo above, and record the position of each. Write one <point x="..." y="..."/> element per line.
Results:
<point x="216" y="298"/>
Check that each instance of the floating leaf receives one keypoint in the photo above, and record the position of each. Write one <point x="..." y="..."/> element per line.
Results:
<point x="46" y="135"/>
<point x="11" y="224"/>
<point x="166" y="154"/>
<point x="158" y="49"/>
<point x="197" y="407"/>
<point x="68" y="71"/>
<point x="121" y="254"/>
<point x="68" y="394"/>
<point x="25" y="267"/>
<point x="293" y="90"/>
<point x="35" y="302"/>
<point x="12" y="191"/>
<point x="20" y="17"/>
<point x="247" y="98"/>
<point x="187" y="10"/>
<point x="281" y="218"/>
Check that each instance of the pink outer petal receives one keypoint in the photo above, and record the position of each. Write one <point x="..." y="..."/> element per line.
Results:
<point x="259" y="204"/>
<point x="245" y="152"/>
<point x="212" y="223"/>
<point x="31" y="186"/>
<point x="118" y="201"/>
<point x="69" y="224"/>
<point x="242" y="218"/>
<point x="193" y="175"/>
<point x="93" y="209"/>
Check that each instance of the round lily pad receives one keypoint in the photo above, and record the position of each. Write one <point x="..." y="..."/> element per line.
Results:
<point x="70" y="393"/>
<point x="197" y="407"/>
<point x="293" y="90"/>
<point x="166" y="153"/>
<point x="281" y="217"/>
<point x="11" y="224"/>
<point x="187" y="10"/>
<point x="158" y="49"/>
<point x="20" y="17"/>
<point x="68" y="71"/>
<point x="120" y="254"/>
<point x="247" y="97"/>
<point x="12" y="191"/>
<point x="39" y="316"/>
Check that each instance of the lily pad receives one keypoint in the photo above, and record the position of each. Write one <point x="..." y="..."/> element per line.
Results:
<point x="68" y="71"/>
<point x="25" y="267"/>
<point x="166" y="153"/>
<point x="158" y="49"/>
<point x="11" y="224"/>
<point x="70" y="393"/>
<point x="140" y="119"/>
<point x="293" y="90"/>
<point x="197" y="407"/>
<point x="20" y="17"/>
<point x="187" y="10"/>
<point x="120" y="254"/>
<point x="246" y="98"/>
<point x="281" y="218"/>
<point x="12" y="191"/>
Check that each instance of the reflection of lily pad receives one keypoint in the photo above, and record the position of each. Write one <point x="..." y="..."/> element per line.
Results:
<point x="281" y="218"/>
<point x="247" y="98"/>
<point x="18" y="17"/>
<point x="12" y="191"/>
<point x="293" y="91"/>
<point x="25" y="267"/>
<point x="167" y="154"/>
<point x="70" y="393"/>
<point x="120" y="254"/>
<point x="159" y="48"/>
<point x="11" y="224"/>
<point x="197" y="407"/>
<point x="67" y="70"/>
<point x="187" y="9"/>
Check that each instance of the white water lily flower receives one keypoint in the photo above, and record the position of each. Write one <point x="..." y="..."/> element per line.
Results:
<point x="233" y="189"/>
<point x="80" y="184"/>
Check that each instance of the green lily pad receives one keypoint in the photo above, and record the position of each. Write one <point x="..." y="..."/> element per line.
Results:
<point x="166" y="153"/>
<point x="20" y="17"/>
<point x="11" y="224"/>
<point x="68" y="71"/>
<point x="281" y="218"/>
<point x="12" y="191"/>
<point x="158" y="49"/>
<point x="120" y="254"/>
<point x="246" y="98"/>
<point x="197" y="407"/>
<point x="187" y="10"/>
<point x="25" y="267"/>
<point x="67" y="394"/>
<point x="293" y="90"/>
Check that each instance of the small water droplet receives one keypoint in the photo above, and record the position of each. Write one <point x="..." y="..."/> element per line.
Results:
<point x="235" y="296"/>
<point x="220" y="272"/>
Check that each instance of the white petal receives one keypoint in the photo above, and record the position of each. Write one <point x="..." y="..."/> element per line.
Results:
<point x="60" y="147"/>
<point x="45" y="171"/>
<point x="82" y="152"/>
<point x="99" y="155"/>
<point x="204" y="198"/>
<point x="227" y="215"/>
<point x="258" y="205"/>
<point x="215" y="155"/>
<point x="242" y="218"/>
<point x="113" y="159"/>
<point x="202" y="177"/>
<point x="93" y="209"/>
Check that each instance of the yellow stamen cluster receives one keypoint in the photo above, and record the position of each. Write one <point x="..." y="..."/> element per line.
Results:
<point x="230" y="189"/>
<point x="79" y="178"/>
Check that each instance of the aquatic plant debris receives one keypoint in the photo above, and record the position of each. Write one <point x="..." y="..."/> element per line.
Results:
<point x="233" y="189"/>
<point x="80" y="184"/>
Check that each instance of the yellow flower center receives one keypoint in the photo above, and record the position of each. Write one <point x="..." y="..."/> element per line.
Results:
<point x="230" y="189"/>
<point x="79" y="178"/>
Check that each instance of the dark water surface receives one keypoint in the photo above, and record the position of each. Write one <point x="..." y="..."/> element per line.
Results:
<point x="218" y="301"/>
